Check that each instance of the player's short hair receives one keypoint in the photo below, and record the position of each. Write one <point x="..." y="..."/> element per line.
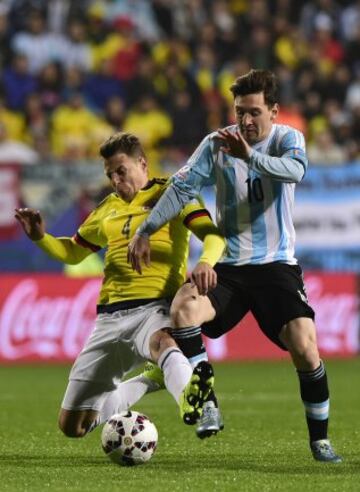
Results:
<point x="124" y="142"/>
<point x="257" y="81"/>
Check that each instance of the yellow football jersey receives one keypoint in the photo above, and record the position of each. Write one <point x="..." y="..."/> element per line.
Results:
<point x="114" y="222"/>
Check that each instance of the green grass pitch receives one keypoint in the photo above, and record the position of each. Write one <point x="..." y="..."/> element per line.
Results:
<point x="263" y="447"/>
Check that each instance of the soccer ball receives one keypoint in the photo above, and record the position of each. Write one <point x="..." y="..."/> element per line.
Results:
<point x="129" y="438"/>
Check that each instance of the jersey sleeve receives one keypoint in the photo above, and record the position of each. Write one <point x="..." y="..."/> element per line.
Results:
<point x="198" y="220"/>
<point x="289" y="162"/>
<point x="293" y="145"/>
<point x="90" y="234"/>
<point x="63" y="249"/>
<point x="199" y="170"/>
<point x="184" y="186"/>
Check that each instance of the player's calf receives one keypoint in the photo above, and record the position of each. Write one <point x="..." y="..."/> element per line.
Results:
<point x="77" y="423"/>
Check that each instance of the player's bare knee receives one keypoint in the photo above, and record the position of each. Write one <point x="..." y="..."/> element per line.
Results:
<point x="185" y="312"/>
<point x="299" y="336"/>
<point x="71" y="425"/>
<point x="160" y="341"/>
<point x="69" y="429"/>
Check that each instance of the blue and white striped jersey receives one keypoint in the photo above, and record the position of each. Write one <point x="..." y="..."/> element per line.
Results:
<point x="254" y="199"/>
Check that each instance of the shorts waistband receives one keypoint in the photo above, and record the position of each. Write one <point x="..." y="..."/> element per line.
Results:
<point x="117" y="306"/>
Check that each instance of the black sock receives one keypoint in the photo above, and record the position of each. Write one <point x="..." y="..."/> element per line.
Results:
<point x="191" y="344"/>
<point x="315" y="396"/>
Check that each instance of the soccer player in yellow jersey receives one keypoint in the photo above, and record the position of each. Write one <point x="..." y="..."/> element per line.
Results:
<point x="133" y="311"/>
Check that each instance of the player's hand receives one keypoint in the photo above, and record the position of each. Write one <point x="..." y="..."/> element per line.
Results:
<point x="32" y="222"/>
<point x="204" y="277"/>
<point x="138" y="252"/>
<point x="234" y="144"/>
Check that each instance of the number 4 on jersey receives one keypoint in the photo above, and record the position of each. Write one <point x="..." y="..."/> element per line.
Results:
<point x="126" y="229"/>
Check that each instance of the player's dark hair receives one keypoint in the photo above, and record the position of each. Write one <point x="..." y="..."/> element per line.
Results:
<point x="127" y="143"/>
<point x="257" y="81"/>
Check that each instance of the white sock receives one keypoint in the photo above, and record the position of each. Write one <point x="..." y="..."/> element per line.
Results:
<point x="177" y="371"/>
<point x="126" y="395"/>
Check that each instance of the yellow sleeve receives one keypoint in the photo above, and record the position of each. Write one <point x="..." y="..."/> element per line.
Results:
<point x="198" y="220"/>
<point x="64" y="249"/>
<point x="88" y="239"/>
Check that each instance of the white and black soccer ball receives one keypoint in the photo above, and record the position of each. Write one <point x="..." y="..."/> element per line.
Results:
<point x="129" y="438"/>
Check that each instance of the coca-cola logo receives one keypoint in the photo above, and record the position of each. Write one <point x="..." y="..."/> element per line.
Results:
<point x="337" y="317"/>
<point x="38" y="326"/>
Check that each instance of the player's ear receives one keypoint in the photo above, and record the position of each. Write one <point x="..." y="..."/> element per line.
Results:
<point x="143" y="162"/>
<point x="274" y="112"/>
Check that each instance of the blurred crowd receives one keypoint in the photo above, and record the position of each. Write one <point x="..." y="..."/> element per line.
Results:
<point x="73" y="72"/>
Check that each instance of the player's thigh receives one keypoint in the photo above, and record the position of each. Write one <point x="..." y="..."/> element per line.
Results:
<point x="278" y="297"/>
<point x="155" y="319"/>
<point x="86" y="395"/>
<point x="188" y="308"/>
<point x="229" y="300"/>
<point x="108" y="352"/>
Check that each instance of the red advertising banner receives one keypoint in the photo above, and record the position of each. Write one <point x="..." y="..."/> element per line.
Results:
<point x="49" y="317"/>
<point x="45" y="317"/>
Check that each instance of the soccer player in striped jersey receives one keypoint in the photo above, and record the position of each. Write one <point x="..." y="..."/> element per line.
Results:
<point x="255" y="165"/>
<point x="133" y="311"/>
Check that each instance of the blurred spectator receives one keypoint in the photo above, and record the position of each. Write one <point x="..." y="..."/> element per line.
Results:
<point x="148" y="122"/>
<point x="352" y="99"/>
<point x="73" y="82"/>
<point x="18" y="83"/>
<point x="127" y="56"/>
<point x="290" y="114"/>
<point x="204" y="69"/>
<point x="181" y="56"/>
<point x="101" y="85"/>
<point x="143" y="82"/>
<point x="77" y="51"/>
<point x="115" y="113"/>
<point x="350" y="21"/>
<point x="139" y="13"/>
<point x="13" y="122"/>
<point x="324" y="151"/>
<point x="50" y="85"/>
<point x="19" y="12"/>
<point x="218" y="114"/>
<point x="316" y="13"/>
<point x="75" y="130"/>
<point x="38" y="45"/>
<point x="260" y="48"/>
<point x="152" y="125"/>
<point x="5" y="39"/>
<point x="15" y="152"/>
<point x="36" y="119"/>
<point x="182" y="111"/>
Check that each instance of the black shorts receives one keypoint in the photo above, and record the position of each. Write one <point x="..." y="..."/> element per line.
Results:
<point x="274" y="293"/>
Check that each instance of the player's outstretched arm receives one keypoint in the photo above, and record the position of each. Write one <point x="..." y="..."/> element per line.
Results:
<point x="63" y="249"/>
